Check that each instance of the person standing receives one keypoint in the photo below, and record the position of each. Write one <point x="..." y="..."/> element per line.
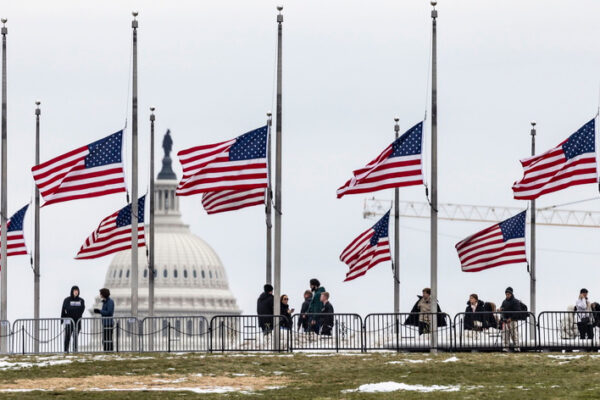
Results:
<point x="73" y="308"/>
<point x="584" y="322"/>
<point x="303" y="320"/>
<point x="264" y="306"/>
<point x="326" y="315"/>
<point x="286" y="312"/>
<point x="511" y="308"/>
<point x="315" y="305"/>
<point x="107" y="311"/>
<point x="421" y="313"/>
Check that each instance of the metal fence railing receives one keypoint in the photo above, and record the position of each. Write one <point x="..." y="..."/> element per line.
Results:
<point x="108" y="334"/>
<point x="407" y="332"/>
<point x="167" y="334"/>
<point x="481" y="331"/>
<point x="327" y="332"/>
<point x="568" y="330"/>
<point x="248" y="333"/>
<point x="494" y="331"/>
<point x="47" y="335"/>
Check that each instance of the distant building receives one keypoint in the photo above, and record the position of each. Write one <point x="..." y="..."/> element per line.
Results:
<point x="189" y="278"/>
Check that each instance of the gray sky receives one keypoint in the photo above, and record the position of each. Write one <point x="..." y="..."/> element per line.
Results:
<point x="350" y="67"/>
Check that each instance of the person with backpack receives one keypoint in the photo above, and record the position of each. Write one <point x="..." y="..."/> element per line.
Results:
<point x="512" y="311"/>
<point x="316" y="305"/>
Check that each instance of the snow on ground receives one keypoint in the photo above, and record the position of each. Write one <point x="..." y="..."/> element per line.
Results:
<point x="451" y="359"/>
<point x="7" y="365"/>
<point x="565" y="357"/>
<point x="395" y="386"/>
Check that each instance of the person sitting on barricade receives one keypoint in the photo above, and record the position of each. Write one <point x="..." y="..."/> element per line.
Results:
<point x="513" y="310"/>
<point x="584" y="319"/>
<point x="421" y="313"/>
<point x="479" y="322"/>
<point x="264" y="306"/>
<point x="326" y="317"/>
<point x="107" y="311"/>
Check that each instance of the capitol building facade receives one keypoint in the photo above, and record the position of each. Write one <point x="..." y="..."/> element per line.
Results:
<point x="190" y="279"/>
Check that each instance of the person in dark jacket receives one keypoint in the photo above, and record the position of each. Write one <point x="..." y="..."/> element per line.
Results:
<point x="473" y="320"/>
<point x="286" y="312"/>
<point x="315" y="305"/>
<point x="511" y="308"/>
<point x="107" y="311"/>
<point x="326" y="315"/>
<point x="421" y="313"/>
<point x="264" y="306"/>
<point x="73" y="308"/>
<point x="303" y="320"/>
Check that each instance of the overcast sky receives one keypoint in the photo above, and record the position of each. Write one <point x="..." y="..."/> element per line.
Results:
<point x="349" y="68"/>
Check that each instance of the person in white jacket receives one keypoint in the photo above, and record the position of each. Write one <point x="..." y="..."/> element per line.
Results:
<point x="584" y="320"/>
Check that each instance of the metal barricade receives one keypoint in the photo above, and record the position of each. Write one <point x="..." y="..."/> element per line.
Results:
<point x="568" y="330"/>
<point x="493" y="331"/>
<point x="5" y="337"/>
<point x="175" y="334"/>
<point x="55" y="335"/>
<point x="407" y="332"/>
<point x="327" y="332"/>
<point x="248" y="333"/>
<point x="108" y="334"/>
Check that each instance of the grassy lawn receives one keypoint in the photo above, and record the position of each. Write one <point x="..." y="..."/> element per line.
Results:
<point x="302" y="376"/>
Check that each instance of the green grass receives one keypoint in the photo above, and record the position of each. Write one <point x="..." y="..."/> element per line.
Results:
<point x="326" y="376"/>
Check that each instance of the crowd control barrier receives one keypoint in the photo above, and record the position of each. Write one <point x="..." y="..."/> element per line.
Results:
<point x="495" y="331"/>
<point x="167" y="334"/>
<point x="327" y="332"/>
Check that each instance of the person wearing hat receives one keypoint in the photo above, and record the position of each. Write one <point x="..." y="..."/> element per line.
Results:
<point x="584" y="322"/>
<point x="264" y="306"/>
<point x="511" y="307"/>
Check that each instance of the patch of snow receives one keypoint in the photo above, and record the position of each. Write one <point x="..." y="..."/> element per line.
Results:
<point x="565" y="357"/>
<point x="277" y="372"/>
<point x="395" y="362"/>
<point x="383" y="387"/>
<point x="238" y="374"/>
<point x="6" y="365"/>
<point x="417" y="361"/>
<point x="451" y="359"/>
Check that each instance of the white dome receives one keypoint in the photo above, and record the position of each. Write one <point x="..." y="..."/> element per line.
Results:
<point x="189" y="276"/>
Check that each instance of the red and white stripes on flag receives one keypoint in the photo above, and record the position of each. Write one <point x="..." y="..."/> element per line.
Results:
<point x="15" y="239"/>
<point x="397" y="166"/>
<point x="573" y="162"/>
<point x="230" y="200"/>
<point x="369" y="249"/>
<point x="114" y="234"/>
<point x="500" y="244"/>
<point x="89" y="171"/>
<point x="238" y="164"/>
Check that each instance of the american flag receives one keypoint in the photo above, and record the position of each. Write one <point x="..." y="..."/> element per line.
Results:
<point x="399" y="165"/>
<point x="89" y="171"/>
<point x="114" y="233"/>
<point x="229" y="200"/>
<point x="237" y="164"/>
<point x="369" y="249"/>
<point x="500" y="244"/>
<point x="15" y="240"/>
<point x="573" y="162"/>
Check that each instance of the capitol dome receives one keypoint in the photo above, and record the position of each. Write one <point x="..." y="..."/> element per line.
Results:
<point x="190" y="279"/>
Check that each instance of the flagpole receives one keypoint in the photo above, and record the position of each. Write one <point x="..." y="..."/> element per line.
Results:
<point x="396" y="237"/>
<point x="277" y="239"/>
<point x="151" y="238"/>
<point x="134" y="177"/>
<point x="269" y="206"/>
<point x="532" y="278"/>
<point x="434" y="193"/>
<point x="36" y="251"/>
<point x="3" y="196"/>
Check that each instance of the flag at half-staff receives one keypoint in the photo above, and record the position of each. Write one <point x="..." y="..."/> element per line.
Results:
<point x="573" y="162"/>
<point x="231" y="174"/>
<point x="15" y="239"/>
<point x="89" y="171"/>
<point x="397" y="166"/>
<point x="500" y="244"/>
<point x="114" y="233"/>
<point x="369" y="249"/>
